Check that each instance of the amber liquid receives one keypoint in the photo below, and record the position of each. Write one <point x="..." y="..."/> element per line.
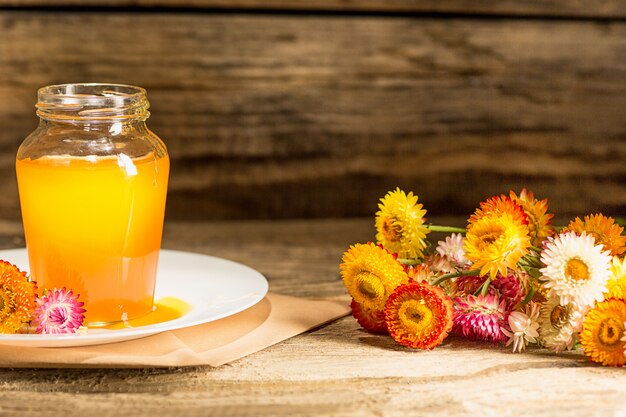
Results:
<point x="165" y="309"/>
<point x="94" y="225"/>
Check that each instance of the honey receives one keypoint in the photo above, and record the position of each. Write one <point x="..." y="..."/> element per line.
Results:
<point x="94" y="225"/>
<point x="165" y="309"/>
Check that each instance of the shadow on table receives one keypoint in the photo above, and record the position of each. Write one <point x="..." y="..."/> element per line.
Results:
<point x="574" y="358"/>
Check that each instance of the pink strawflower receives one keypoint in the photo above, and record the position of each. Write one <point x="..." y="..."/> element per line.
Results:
<point x="480" y="317"/>
<point x="58" y="312"/>
<point x="439" y="263"/>
<point x="523" y="327"/>
<point x="508" y="289"/>
<point x="453" y="249"/>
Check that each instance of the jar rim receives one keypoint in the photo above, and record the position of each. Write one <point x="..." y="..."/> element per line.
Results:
<point x="92" y="102"/>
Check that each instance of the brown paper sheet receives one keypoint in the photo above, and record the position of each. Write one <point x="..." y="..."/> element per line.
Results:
<point x="272" y="320"/>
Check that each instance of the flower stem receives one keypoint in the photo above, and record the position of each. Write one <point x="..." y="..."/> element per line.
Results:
<point x="485" y="287"/>
<point x="446" y="229"/>
<point x="536" y="249"/>
<point x="534" y="272"/>
<point x="482" y="290"/>
<point x="407" y="261"/>
<point x="455" y="275"/>
<point x="529" y="260"/>
<point x="529" y="295"/>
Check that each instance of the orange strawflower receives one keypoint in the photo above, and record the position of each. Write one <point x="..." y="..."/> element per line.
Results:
<point x="603" y="329"/>
<point x="539" y="221"/>
<point x="603" y="229"/>
<point x="17" y="298"/>
<point x="370" y="274"/>
<point x="418" y="315"/>
<point x="498" y="205"/>
<point x="371" y="320"/>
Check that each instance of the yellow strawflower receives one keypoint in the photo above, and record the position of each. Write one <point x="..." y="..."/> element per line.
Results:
<point x="616" y="285"/>
<point x="400" y="224"/>
<point x="370" y="274"/>
<point x="496" y="242"/>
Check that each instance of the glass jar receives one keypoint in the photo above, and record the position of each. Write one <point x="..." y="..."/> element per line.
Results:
<point x="92" y="181"/>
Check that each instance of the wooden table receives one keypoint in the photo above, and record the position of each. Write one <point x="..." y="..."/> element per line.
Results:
<point x="335" y="370"/>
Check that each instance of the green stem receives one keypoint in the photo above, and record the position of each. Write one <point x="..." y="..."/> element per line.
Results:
<point x="456" y="275"/>
<point x="533" y="261"/>
<point x="407" y="261"/>
<point x="536" y="249"/>
<point x="529" y="295"/>
<point x="482" y="290"/>
<point x="446" y="229"/>
<point x="532" y="271"/>
<point x="485" y="287"/>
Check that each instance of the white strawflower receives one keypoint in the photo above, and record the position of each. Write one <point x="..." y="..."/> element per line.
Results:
<point x="576" y="269"/>
<point x="523" y="327"/>
<point x="452" y="248"/>
<point x="559" y="324"/>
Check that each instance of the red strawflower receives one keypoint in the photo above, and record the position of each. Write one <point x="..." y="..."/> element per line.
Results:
<point x="418" y="315"/>
<point x="371" y="320"/>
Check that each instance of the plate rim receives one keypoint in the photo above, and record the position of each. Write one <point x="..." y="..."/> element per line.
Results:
<point x="119" y="335"/>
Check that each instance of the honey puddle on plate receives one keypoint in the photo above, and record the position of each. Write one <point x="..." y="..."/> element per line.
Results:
<point x="165" y="309"/>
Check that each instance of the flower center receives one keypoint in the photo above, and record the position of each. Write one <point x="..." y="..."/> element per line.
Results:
<point x="415" y="316"/>
<point x="370" y="286"/>
<point x="559" y="316"/>
<point x="577" y="270"/>
<point x="3" y="301"/>
<point x="610" y="332"/>
<point x="490" y="237"/>
<point x="7" y="305"/>
<point x="391" y="230"/>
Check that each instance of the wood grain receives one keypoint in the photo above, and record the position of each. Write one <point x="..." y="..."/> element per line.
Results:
<point x="336" y="370"/>
<point x="597" y="9"/>
<point x="318" y="116"/>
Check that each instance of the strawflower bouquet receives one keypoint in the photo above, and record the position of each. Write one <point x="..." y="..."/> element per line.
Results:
<point x="509" y="277"/>
<point x="24" y="310"/>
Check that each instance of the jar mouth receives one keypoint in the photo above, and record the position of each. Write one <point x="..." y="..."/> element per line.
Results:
<point x="92" y="102"/>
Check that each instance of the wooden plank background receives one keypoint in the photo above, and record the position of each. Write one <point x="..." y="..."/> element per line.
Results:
<point x="591" y="8"/>
<point x="286" y="115"/>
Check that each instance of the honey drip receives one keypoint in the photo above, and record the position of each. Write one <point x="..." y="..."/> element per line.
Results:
<point x="165" y="309"/>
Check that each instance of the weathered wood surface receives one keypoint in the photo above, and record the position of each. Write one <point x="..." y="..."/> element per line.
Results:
<point x="318" y="116"/>
<point x="565" y="8"/>
<point x="337" y="370"/>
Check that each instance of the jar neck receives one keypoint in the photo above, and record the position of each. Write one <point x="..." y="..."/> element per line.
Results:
<point x="92" y="104"/>
<point x="100" y="125"/>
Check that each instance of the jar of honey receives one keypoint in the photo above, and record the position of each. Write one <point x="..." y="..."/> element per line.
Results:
<point x="92" y="181"/>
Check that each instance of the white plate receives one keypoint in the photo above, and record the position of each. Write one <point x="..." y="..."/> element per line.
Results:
<point x="214" y="287"/>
